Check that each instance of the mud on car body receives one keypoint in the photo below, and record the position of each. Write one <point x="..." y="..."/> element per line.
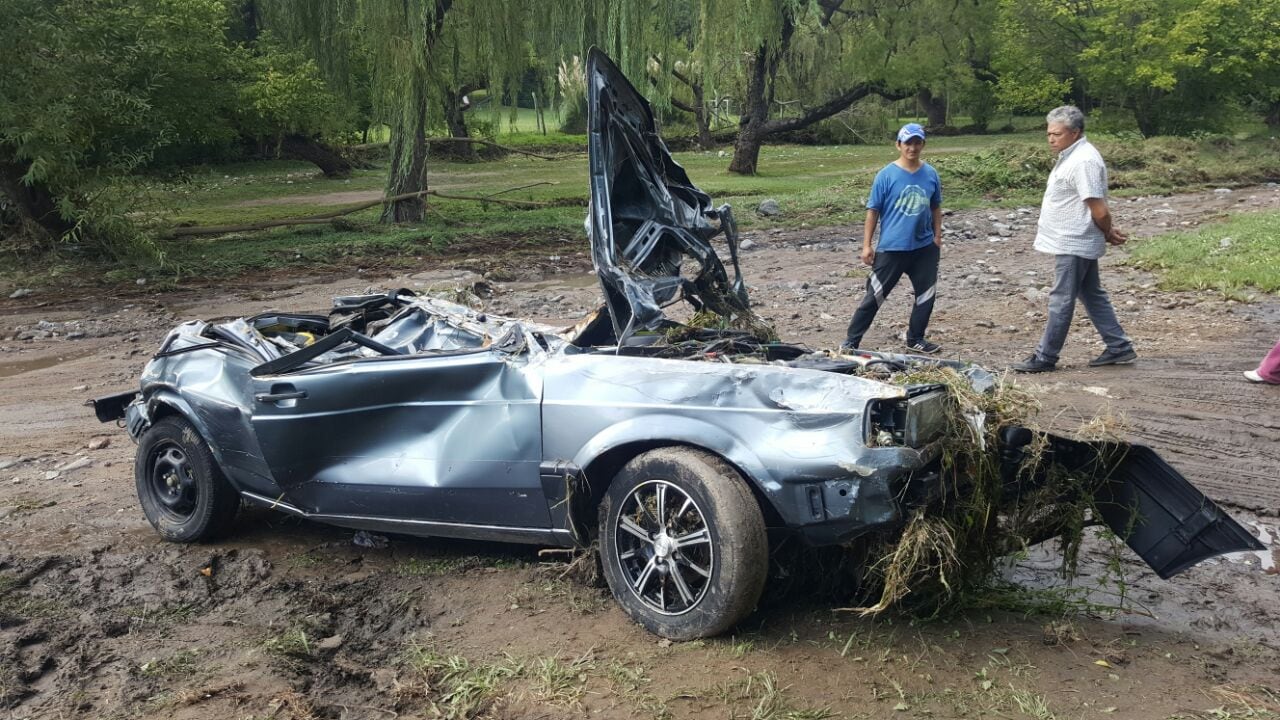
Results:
<point x="681" y="452"/>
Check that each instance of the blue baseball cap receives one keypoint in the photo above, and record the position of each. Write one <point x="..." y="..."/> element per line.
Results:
<point x="909" y="131"/>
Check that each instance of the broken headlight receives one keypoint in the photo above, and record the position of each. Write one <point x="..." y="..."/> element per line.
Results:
<point x="913" y="421"/>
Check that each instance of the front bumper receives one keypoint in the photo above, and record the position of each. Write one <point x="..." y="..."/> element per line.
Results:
<point x="835" y="511"/>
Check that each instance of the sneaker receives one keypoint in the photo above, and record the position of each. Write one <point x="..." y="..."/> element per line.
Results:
<point x="1114" y="357"/>
<point x="1253" y="377"/>
<point x="923" y="346"/>
<point x="1033" y="364"/>
<point x="846" y="348"/>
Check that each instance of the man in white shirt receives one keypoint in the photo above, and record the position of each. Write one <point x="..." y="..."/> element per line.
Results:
<point x="1075" y="227"/>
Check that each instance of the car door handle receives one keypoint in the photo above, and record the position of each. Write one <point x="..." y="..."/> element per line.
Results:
<point x="277" y="397"/>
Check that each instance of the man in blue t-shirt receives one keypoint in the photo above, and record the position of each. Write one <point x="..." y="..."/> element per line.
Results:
<point x="906" y="202"/>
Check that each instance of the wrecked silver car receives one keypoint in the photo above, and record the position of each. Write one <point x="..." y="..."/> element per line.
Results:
<point x="682" y="452"/>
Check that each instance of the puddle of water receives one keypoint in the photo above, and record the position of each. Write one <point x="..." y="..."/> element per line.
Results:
<point x="9" y="369"/>
<point x="1265" y="557"/>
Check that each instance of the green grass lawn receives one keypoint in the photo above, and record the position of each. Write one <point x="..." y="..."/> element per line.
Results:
<point x="1237" y="258"/>
<point x="812" y="179"/>
<point x="815" y="186"/>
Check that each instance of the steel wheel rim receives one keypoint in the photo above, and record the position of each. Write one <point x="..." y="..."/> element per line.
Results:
<point x="172" y="482"/>
<point x="663" y="547"/>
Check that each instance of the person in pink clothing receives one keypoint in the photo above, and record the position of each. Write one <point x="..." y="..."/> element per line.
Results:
<point x="1269" y="371"/>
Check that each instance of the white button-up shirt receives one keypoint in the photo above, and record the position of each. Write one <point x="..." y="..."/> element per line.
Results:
<point x="1066" y="227"/>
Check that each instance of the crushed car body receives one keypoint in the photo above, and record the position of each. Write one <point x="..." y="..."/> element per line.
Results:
<point x="680" y="451"/>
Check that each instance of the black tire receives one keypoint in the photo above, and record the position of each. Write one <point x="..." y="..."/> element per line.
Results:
<point x="695" y="569"/>
<point x="183" y="492"/>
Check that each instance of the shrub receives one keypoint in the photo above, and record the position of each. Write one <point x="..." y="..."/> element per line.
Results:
<point x="1003" y="168"/>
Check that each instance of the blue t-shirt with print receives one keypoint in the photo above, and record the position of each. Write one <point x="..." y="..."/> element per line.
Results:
<point x="904" y="201"/>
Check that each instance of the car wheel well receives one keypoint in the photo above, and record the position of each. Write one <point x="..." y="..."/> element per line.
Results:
<point x="601" y="471"/>
<point x="159" y="410"/>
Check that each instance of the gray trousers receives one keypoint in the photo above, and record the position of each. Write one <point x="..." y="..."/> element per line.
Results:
<point x="1077" y="278"/>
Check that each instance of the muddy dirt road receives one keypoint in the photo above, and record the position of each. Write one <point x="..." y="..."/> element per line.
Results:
<point x="286" y="619"/>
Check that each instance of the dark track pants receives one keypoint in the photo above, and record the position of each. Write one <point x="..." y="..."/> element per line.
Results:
<point x="921" y="266"/>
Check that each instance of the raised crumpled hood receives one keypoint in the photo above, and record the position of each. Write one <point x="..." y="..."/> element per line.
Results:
<point x="647" y="217"/>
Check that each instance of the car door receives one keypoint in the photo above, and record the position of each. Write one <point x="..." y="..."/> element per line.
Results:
<point x="446" y="439"/>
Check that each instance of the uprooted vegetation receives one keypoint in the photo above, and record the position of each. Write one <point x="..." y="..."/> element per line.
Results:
<point x="1136" y="165"/>
<point x="949" y="555"/>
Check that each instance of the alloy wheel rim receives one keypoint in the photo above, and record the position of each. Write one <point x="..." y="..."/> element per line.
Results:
<point x="664" y="547"/>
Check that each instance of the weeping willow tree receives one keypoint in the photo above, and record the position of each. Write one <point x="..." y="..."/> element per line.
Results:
<point x="951" y="52"/>
<point x="818" y="57"/>
<point x="424" y="53"/>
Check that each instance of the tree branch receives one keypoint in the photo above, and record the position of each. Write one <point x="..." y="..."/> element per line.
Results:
<point x="490" y="143"/>
<point x="829" y="9"/>
<point x="831" y="107"/>
<point x="679" y="104"/>
<point x="488" y="199"/>
<point x="327" y="217"/>
<point x="477" y="141"/>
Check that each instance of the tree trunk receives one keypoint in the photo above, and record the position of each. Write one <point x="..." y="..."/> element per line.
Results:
<point x="701" y="113"/>
<point x="455" y="119"/>
<point x="409" y="139"/>
<point x="703" y="119"/>
<point x="408" y="160"/>
<point x="1273" y="113"/>
<point x="34" y="204"/>
<point x="251" y="20"/>
<point x="746" y="149"/>
<point x="755" y="111"/>
<point x="1143" y="105"/>
<point x="1147" y="125"/>
<point x="307" y="149"/>
<point x="935" y="108"/>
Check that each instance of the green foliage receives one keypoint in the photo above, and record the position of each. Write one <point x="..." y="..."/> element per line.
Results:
<point x="1005" y="167"/>
<point x="1168" y="164"/>
<point x="292" y="643"/>
<point x="1034" y="56"/>
<point x="182" y="663"/>
<point x="1177" y="65"/>
<point x="283" y="93"/>
<point x="454" y="686"/>
<point x="93" y="89"/>
<point x="768" y="699"/>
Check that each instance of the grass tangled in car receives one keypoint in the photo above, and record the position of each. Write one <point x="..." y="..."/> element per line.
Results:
<point x="948" y="556"/>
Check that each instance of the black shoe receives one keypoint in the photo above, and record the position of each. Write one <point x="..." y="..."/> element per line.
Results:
<point x="848" y="347"/>
<point x="923" y="346"/>
<point x="1114" y="357"/>
<point x="1034" y="364"/>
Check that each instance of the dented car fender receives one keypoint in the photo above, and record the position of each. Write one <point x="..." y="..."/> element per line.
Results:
<point x="676" y="430"/>
<point x="225" y="429"/>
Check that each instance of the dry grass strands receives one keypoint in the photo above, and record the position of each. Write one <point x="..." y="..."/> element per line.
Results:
<point x="926" y="547"/>
<point x="705" y="319"/>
